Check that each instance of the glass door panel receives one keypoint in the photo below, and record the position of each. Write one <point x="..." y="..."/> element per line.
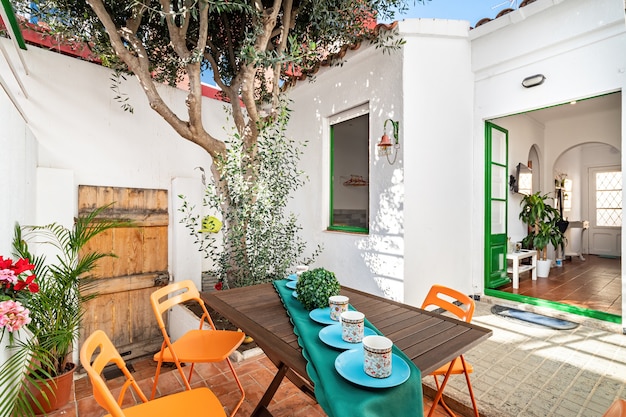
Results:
<point x="496" y="161"/>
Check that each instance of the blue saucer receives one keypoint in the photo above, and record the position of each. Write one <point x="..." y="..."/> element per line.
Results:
<point x="292" y="277"/>
<point x="322" y="316"/>
<point x="291" y="285"/>
<point x="349" y="364"/>
<point x="331" y="335"/>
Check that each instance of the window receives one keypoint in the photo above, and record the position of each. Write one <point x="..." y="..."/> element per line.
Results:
<point x="349" y="165"/>
<point x="609" y="199"/>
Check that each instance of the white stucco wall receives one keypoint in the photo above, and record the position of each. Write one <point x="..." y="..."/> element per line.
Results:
<point x="438" y="168"/>
<point x="18" y="161"/>
<point x="78" y="134"/>
<point x="577" y="44"/>
<point x="409" y="245"/>
<point x="373" y="262"/>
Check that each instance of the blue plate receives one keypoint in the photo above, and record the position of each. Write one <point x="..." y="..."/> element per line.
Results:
<point x="349" y="364"/>
<point x="292" y="277"/>
<point x="331" y="335"/>
<point x="295" y="295"/>
<point x="322" y="316"/>
<point x="291" y="285"/>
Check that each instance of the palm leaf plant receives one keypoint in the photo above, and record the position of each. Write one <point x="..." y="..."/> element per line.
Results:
<point x="56" y="311"/>
<point x="543" y="223"/>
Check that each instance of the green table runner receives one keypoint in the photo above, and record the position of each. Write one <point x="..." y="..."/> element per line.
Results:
<point x="337" y="396"/>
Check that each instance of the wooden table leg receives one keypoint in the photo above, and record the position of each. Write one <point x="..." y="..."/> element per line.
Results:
<point x="261" y="408"/>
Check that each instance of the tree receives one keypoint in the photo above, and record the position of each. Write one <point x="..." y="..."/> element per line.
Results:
<point x="253" y="48"/>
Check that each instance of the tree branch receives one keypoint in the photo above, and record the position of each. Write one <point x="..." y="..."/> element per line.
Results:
<point x="138" y="63"/>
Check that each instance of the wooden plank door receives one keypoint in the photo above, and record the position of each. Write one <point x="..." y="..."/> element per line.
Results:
<point x="122" y="307"/>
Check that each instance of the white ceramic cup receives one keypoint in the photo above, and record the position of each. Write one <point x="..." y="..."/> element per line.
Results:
<point x="377" y="356"/>
<point x="300" y="269"/>
<point x="338" y="304"/>
<point x="352" y="323"/>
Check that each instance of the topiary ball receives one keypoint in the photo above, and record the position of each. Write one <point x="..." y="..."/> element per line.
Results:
<point x="314" y="287"/>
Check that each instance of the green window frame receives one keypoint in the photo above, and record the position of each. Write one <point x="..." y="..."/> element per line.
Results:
<point x="349" y="171"/>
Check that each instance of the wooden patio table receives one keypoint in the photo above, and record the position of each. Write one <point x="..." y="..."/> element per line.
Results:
<point x="428" y="339"/>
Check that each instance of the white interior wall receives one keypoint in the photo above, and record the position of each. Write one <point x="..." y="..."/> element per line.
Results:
<point x="571" y="163"/>
<point x="554" y="140"/>
<point x="524" y="133"/>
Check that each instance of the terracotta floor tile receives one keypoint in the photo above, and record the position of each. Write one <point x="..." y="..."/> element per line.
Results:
<point x="255" y="375"/>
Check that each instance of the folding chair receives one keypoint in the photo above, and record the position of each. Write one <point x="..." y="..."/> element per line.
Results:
<point x="195" y="346"/>
<point x="196" y="402"/>
<point x="461" y="306"/>
<point x="617" y="409"/>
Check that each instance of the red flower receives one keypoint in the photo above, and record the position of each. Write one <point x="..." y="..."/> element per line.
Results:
<point x="5" y="263"/>
<point x="219" y="286"/>
<point x="16" y="277"/>
<point x="27" y="283"/>
<point x="21" y="266"/>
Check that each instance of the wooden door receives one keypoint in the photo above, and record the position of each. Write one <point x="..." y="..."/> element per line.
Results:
<point x="122" y="307"/>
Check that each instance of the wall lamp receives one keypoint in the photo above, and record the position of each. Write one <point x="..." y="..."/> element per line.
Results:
<point x="533" y="80"/>
<point x="385" y="145"/>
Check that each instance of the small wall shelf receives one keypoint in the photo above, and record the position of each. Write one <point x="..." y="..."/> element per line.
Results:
<point x="356" y="181"/>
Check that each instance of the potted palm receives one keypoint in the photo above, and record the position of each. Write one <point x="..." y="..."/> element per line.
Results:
<point x="543" y="228"/>
<point x="56" y="310"/>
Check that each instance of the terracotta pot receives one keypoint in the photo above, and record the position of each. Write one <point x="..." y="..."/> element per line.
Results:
<point x="58" y="392"/>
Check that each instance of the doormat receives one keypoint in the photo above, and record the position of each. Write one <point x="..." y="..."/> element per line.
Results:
<point x="534" y="318"/>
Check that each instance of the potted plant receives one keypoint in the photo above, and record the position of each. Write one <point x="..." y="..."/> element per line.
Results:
<point x="17" y="286"/>
<point x="315" y="286"/>
<point x="56" y="309"/>
<point x="543" y="227"/>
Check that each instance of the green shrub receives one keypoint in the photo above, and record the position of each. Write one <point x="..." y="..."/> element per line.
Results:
<point x="314" y="287"/>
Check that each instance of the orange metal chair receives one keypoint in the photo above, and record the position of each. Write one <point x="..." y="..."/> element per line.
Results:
<point x="461" y="306"/>
<point x="618" y="409"/>
<point x="199" y="401"/>
<point x="195" y="346"/>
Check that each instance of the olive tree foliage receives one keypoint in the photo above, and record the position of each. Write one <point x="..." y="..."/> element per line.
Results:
<point x="271" y="235"/>
<point x="253" y="48"/>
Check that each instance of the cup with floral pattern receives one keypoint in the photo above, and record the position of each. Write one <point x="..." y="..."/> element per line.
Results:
<point x="352" y="326"/>
<point x="377" y="356"/>
<point x="338" y="304"/>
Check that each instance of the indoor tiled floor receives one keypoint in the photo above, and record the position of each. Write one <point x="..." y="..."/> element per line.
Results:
<point x="255" y="373"/>
<point x="595" y="283"/>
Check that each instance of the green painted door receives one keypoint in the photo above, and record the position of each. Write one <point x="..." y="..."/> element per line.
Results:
<point x="496" y="161"/>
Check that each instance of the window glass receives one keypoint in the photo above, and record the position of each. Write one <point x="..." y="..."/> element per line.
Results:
<point x="609" y="199"/>
<point x="350" y="174"/>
